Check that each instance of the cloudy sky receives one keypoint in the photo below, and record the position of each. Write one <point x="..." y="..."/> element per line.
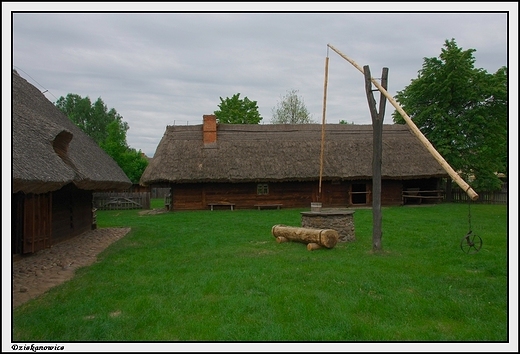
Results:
<point x="171" y="67"/>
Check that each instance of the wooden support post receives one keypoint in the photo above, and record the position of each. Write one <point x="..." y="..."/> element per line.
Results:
<point x="377" y="154"/>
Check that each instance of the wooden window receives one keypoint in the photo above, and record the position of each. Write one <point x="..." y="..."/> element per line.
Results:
<point x="358" y="194"/>
<point x="262" y="189"/>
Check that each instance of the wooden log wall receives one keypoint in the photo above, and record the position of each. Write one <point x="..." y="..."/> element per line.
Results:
<point x="189" y="196"/>
<point x="391" y="192"/>
<point x="335" y="194"/>
<point x="196" y="196"/>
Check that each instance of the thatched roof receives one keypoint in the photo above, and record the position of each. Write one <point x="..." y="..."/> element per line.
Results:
<point x="286" y="152"/>
<point x="49" y="151"/>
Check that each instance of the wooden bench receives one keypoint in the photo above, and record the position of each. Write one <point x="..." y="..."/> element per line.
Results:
<point x="418" y="194"/>
<point x="260" y="206"/>
<point x="212" y="205"/>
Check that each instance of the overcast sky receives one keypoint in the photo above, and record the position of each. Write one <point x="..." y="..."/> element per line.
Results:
<point x="171" y="68"/>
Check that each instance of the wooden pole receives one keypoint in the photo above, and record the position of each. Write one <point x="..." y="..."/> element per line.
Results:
<point x="454" y="175"/>
<point x="323" y="123"/>
<point x="377" y="153"/>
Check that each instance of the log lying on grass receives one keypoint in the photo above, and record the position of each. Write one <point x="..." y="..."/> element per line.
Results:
<point x="313" y="246"/>
<point x="322" y="237"/>
<point x="281" y="239"/>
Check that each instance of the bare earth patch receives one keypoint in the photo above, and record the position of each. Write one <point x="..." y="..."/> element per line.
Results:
<point x="36" y="273"/>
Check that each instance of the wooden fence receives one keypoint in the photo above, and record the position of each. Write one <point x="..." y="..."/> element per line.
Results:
<point x="459" y="196"/>
<point x="121" y="201"/>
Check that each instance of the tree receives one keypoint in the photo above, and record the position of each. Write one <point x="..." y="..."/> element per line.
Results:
<point x="131" y="161"/>
<point x="108" y="130"/>
<point x="291" y="110"/>
<point x="94" y="118"/>
<point x="463" y="113"/>
<point x="238" y="111"/>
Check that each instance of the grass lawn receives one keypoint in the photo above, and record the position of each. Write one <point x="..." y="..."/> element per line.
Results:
<point x="221" y="276"/>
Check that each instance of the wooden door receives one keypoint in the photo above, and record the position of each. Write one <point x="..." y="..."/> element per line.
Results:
<point x="37" y="222"/>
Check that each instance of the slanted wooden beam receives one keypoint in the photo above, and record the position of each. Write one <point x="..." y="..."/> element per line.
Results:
<point x="445" y="165"/>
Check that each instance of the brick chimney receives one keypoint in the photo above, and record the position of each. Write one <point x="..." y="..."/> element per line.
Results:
<point x="209" y="129"/>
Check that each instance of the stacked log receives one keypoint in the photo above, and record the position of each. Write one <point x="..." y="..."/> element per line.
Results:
<point x="314" y="238"/>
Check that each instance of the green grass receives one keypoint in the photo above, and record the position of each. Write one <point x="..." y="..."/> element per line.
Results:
<point x="221" y="276"/>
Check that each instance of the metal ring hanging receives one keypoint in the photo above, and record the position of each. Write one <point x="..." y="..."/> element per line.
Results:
<point x="471" y="243"/>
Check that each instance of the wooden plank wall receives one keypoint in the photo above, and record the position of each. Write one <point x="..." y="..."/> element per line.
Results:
<point x="196" y="196"/>
<point x="337" y="194"/>
<point x="334" y="194"/>
<point x="17" y="217"/>
<point x="391" y="192"/>
<point x="37" y="222"/>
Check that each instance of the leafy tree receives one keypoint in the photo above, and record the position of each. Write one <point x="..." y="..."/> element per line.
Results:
<point x="463" y="113"/>
<point x="92" y="118"/>
<point x="132" y="162"/>
<point x="345" y="122"/>
<point x="108" y="130"/>
<point x="238" y="111"/>
<point x="291" y="110"/>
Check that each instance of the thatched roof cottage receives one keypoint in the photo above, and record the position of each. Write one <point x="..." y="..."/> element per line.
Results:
<point x="55" y="169"/>
<point x="249" y="165"/>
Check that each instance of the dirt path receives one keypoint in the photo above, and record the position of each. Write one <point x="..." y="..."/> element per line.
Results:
<point x="35" y="274"/>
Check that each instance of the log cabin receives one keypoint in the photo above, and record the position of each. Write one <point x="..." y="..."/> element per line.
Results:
<point x="56" y="168"/>
<point x="250" y="165"/>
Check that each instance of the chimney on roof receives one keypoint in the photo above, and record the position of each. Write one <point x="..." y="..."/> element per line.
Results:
<point x="209" y="129"/>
